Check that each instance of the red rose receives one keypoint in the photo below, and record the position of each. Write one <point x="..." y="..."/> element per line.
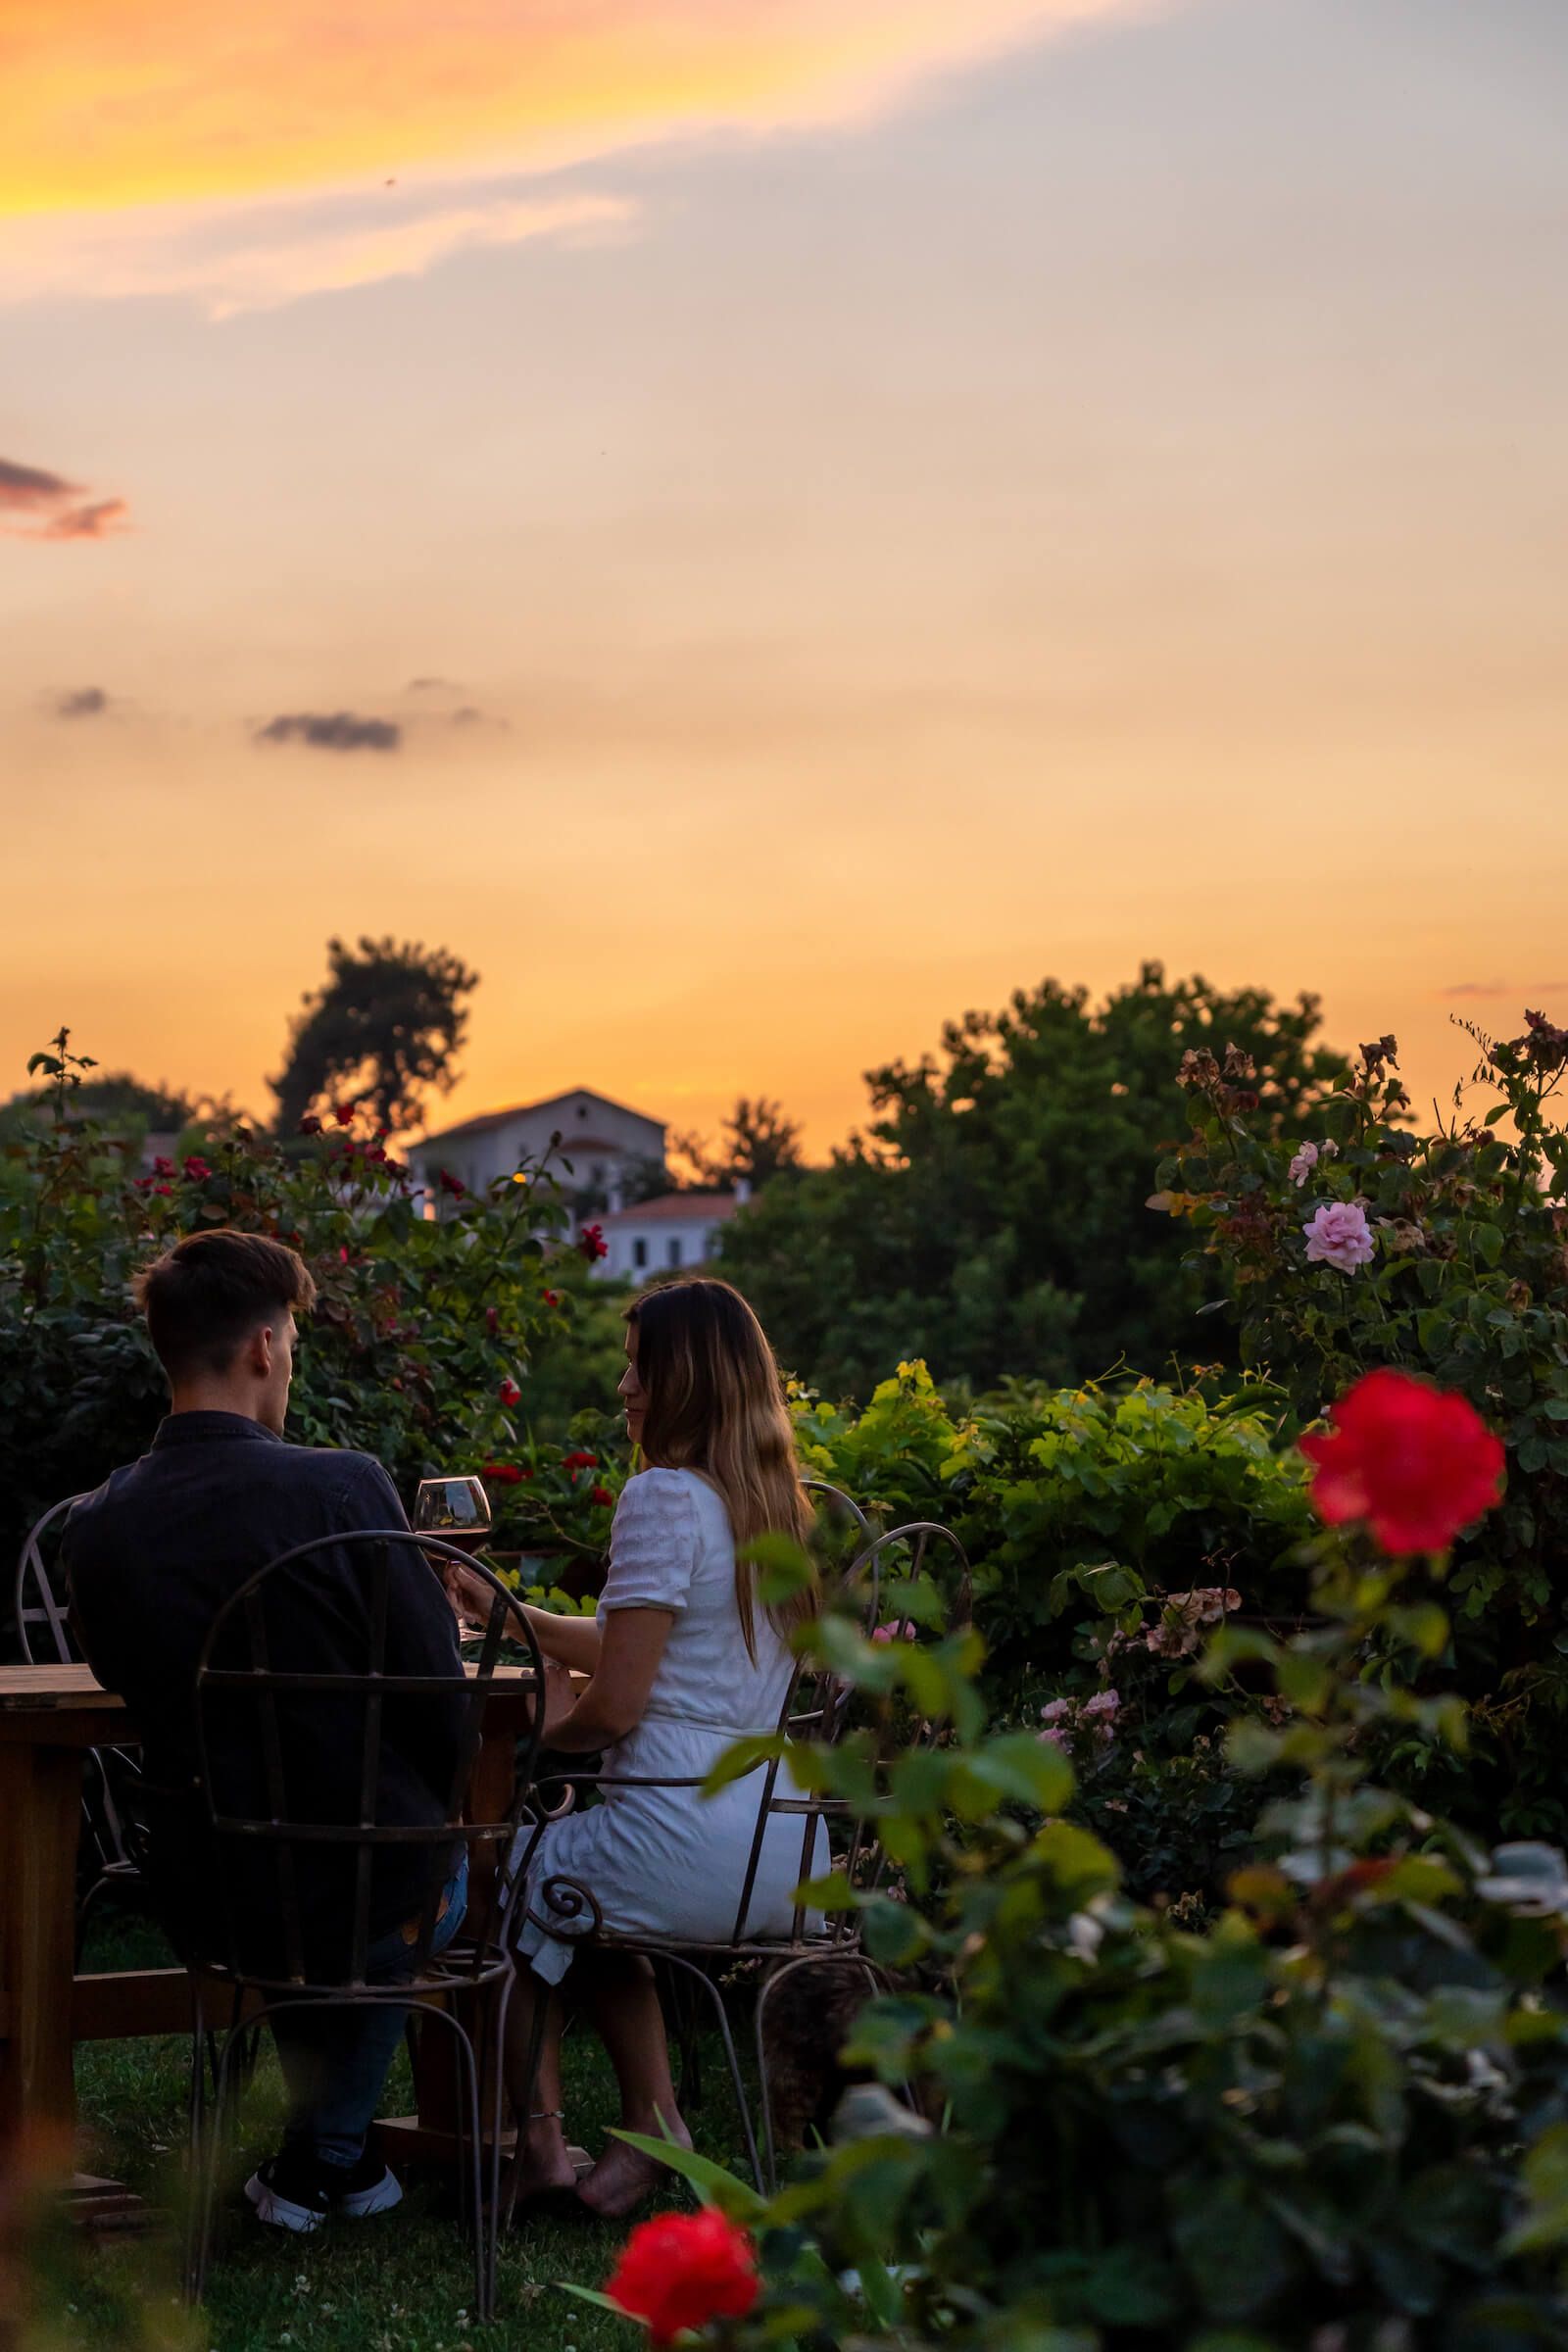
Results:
<point x="592" y="1243"/>
<point x="450" y="1184"/>
<point x="343" y="1112"/>
<point x="310" y="1124"/>
<point x="163" y="1188"/>
<point x="1416" y="1463"/>
<point x="552" y="1297"/>
<point x="682" y="2270"/>
<point x="509" y="1390"/>
<point x="163" y="1167"/>
<point x="579" y="1461"/>
<point x="196" y="1169"/>
<point x="603" y="1496"/>
<point x="343" y="1252"/>
<point x="501" y="1474"/>
<point x="492" y="1320"/>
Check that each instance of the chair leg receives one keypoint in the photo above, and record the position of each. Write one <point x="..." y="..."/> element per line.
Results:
<point x="530" y="2080"/>
<point x="731" y="2059"/>
<point x="490" y="2211"/>
<point x="206" y="2168"/>
<point x="764" y="1991"/>
<point x="470" y="2158"/>
<point x="686" y="2022"/>
<point x="199" y="2040"/>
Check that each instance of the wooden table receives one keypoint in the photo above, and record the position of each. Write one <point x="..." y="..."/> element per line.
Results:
<point x="50" y="1716"/>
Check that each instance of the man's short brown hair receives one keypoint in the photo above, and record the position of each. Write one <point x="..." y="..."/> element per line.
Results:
<point x="209" y="1292"/>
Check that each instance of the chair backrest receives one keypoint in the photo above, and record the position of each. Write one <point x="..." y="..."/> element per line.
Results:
<point x="839" y="1516"/>
<point x="817" y="1711"/>
<point x="43" y="1624"/>
<point x="295" y="1809"/>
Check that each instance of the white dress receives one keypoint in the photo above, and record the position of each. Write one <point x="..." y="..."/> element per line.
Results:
<point x="671" y="1862"/>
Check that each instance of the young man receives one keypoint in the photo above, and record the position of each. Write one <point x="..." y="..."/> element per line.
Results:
<point x="151" y="1557"/>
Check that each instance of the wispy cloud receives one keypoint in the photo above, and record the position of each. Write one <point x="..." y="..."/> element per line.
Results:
<point x="232" y="259"/>
<point x="35" y="503"/>
<point x="82" y="701"/>
<point x="332" y="731"/>
<point x="1524" y="990"/>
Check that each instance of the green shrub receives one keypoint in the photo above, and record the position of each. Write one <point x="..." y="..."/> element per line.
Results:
<point x="1464" y="1278"/>
<point x="1336" y="2121"/>
<point x="419" y="1324"/>
<point x="1082" y="1512"/>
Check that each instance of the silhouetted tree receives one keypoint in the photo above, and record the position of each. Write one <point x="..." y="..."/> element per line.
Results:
<point x="384" y="1027"/>
<point x="757" y="1143"/>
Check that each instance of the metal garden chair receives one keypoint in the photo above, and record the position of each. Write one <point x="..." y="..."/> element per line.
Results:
<point x="110" y="1844"/>
<point x="818" y="1709"/>
<point x="269" y="1835"/>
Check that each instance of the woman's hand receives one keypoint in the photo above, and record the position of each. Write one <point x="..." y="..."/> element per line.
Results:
<point x="472" y="1597"/>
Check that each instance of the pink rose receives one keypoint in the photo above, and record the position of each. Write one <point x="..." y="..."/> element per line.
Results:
<point x="1104" y="1703"/>
<point x="896" y="1629"/>
<point x="1338" y="1234"/>
<point x="1303" y="1164"/>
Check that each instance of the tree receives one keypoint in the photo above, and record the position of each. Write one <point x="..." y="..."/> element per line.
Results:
<point x="757" y="1143"/>
<point x="386" y="1024"/>
<point x="121" y="1103"/>
<point x="993" y="1219"/>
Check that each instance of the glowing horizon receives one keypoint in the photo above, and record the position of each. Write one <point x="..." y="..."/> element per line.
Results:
<point x="894" y="503"/>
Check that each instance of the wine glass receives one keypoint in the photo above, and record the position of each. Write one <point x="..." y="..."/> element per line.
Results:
<point x="457" y="1510"/>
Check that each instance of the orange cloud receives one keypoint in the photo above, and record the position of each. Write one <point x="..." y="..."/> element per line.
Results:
<point x="53" y="508"/>
<point x="111" y="103"/>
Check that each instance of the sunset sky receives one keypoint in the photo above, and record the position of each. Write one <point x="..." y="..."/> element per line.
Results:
<point x="766" y="523"/>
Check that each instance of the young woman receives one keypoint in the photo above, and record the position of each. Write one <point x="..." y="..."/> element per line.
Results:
<point x="684" y="1661"/>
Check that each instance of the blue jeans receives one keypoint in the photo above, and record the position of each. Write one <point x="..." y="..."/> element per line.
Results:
<point x="335" y="2060"/>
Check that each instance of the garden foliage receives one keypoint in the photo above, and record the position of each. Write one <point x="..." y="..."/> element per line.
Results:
<point x="419" y="1348"/>
<point x="991" y="1218"/>
<point x="1336" y="2121"/>
<point x="1348" y="1241"/>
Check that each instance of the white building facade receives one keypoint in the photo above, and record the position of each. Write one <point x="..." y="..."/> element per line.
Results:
<point x="604" y="1149"/>
<point x="678" y="1232"/>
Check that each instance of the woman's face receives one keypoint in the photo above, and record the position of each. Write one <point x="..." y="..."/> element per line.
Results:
<point x="629" y="1388"/>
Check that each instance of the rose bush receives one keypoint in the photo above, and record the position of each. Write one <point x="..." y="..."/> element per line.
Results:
<point x="1336" y="2121"/>
<point x="1464" y="1283"/>
<point x="420" y="1350"/>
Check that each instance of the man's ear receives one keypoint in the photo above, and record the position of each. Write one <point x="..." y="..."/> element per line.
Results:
<point x="257" y="1353"/>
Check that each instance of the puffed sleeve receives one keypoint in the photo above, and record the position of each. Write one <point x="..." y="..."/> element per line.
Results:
<point x="653" y="1543"/>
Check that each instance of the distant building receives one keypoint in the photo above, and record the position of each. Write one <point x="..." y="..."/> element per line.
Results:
<point x="671" y="1235"/>
<point x="609" y="1147"/>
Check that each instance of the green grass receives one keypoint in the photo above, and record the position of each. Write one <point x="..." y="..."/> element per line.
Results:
<point x="401" y="2283"/>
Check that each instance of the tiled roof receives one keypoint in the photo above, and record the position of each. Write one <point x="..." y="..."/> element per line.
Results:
<point x="694" y="1208"/>
<point x="489" y="1119"/>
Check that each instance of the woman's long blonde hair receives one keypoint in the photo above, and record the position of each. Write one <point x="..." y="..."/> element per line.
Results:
<point x="715" y="1404"/>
